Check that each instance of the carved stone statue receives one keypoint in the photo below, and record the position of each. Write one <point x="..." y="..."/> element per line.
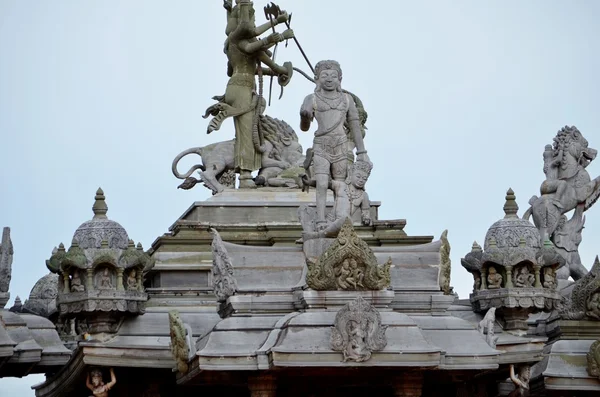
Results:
<point x="132" y="284"/>
<point x="179" y="341"/>
<point x="358" y="331"/>
<point x="76" y="285"/>
<point x="486" y="327"/>
<point x="521" y="381"/>
<point x="445" y="264"/>
<point x="494" y="279"/>
<point x="593" y="360"/>
<point x="6" y="258"/>
<point x="331" y="153"/>
<point x="549" y="278"/>
<point x="350" y="196"/>
<point x="523" y="278"/>
<point x="584" y="300"/>
<point x="348" y="264"/>
<point x="567" y="187"/>
<point x="224" y="283"/>
<point x="105" y="280"/>
<point x="97" y="385"/>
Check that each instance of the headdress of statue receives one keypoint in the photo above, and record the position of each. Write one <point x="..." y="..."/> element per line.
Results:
<point x="364" y="166"/>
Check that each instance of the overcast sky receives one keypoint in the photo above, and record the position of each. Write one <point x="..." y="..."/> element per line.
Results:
<point x="462" y="96"/>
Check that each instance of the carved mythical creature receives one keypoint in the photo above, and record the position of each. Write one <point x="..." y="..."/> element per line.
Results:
<point x="224" y="283"/>
<point x="348" y="264"/>
<point x="358" y="331"/>
<point x="521" y="381"/>
<point x="97" y="385"/>
<point x="567" y="187"/>
<point x="280" y="152"/>
<point x="179" y="341"/>
<point x="331" y="151"/>
<point x="593" y="359"/>
<point x="585" y="296"/>
<point x="486" y="327"/>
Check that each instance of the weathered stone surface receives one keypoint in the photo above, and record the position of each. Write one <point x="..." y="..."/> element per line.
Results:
<point x="6" y="258"/>
<point x="358" y="331"/>
<point x="224" y="283"/>
<point x="179" y="341"/>
<point x="584" y="301"/>
<point x="42" y="298"/>
<point x="348" y="264"/>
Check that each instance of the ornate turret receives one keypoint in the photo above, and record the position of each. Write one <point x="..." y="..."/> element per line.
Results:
<point x="100" y="275"/>
<point x="513" y="272"/>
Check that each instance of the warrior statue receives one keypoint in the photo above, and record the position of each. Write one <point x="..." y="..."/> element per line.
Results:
<point x="332" y="149"/>
<point x="567" y="187"/>
<point x="246" y="54"/>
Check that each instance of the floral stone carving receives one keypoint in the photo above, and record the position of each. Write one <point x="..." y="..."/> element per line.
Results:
<point x="224" y="283"/>
<point x="593" y="359"/>
<point x="358" y="331"/>
<point x="348" y="264"/>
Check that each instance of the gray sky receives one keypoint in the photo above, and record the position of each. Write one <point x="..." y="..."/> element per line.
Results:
<point x="462" y="96"/>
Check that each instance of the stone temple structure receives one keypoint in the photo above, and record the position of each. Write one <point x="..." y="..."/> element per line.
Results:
<point x="286" y="282"/>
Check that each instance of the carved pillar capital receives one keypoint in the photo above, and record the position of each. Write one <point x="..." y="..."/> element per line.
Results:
<point x="408" y="385"/>
<point x="263" y="385"/>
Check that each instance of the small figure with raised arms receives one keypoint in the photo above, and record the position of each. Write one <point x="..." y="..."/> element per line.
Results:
<point x="97" y="385"/>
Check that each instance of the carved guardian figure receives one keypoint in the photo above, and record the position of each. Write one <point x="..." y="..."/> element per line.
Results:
<point x="358" y="331"/>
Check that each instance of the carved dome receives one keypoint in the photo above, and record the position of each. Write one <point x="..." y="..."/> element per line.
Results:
<point x="42" y="298"/>
<point x="92" y="233"/>
<point x="512" y="231"/>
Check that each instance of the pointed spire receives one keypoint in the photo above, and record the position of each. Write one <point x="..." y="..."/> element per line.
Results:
<point x="492" y="242"/>
<point x="476" y="247"/>
<point x="139" y="247"/>
<point x="61" y="248"/>
<point x="130" y="244"/>
<point x="100" y="208"/>
<point x="74" y="243"/>
<point x="510" y="207"/>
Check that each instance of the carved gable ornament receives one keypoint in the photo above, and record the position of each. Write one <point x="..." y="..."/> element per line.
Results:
<point x="585" y="298"/>
<point x="358" y="331"/>
<point x="593" y="360"/>
<point x="348" y="264"/>
<point x="224" y="283"/>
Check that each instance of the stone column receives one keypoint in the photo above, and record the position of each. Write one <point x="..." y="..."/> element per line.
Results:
<point x="140" y="285"/>
<point x="508" y="282"/>
<point x="483" y="279"/>
<point x="120" y="279"/>
<point x="90" y="279"/>
<point x="66" y="287"/>
<point x="537" y="270"/>
<point x="408" y="385"/>
<point x="263" y="385"/>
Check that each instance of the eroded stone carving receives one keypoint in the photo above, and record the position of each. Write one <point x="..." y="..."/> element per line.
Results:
<point x="494" y="279"/>
<point x="224" y="283"/>
<point x="97" y="385"/>
<point x="549" y="278"/>
<point x="179" y="341"/>
<point x="585" y="296"/>
<point x="567" y="187"/>
<point x="486" y="327"/>
<point x="522" y="277"/>
<point x="6" y="258"/>
<point x="445" y="264"/>
<point x="358" y="331"/>
<point x="472" y="262"/>
<point x="593" y="359"/>
<point x="521" y="380"/>
<point x="348" y="264"/>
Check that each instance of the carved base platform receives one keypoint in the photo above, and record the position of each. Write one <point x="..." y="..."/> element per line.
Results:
<point x="334" y="300"/>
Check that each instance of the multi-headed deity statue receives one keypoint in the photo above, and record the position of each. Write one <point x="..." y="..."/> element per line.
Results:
<point x="567" y="187"/>
<point x="332" y="145"/>
<point x="246" y="54"/>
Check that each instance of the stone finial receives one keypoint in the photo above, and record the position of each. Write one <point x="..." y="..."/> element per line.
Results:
<point x="17" y="306"/>
<point x="476" y="247"/>
<point x="6" y="258"/>
<point x="139" y="247"/>
<point x="445" y="264"/>
<point x="510" y="207"/>
<point x="100" y="208"/>
<point x="358" y="331"/>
